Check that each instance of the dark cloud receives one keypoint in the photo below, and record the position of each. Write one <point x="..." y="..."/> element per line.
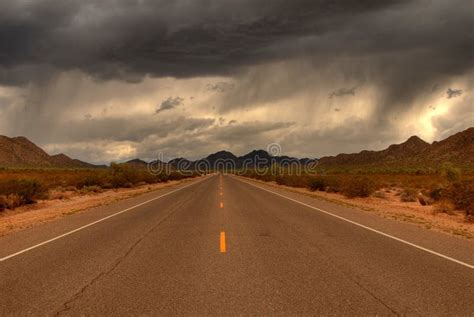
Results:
<point x="343" y="92"/>
<point x="249" y="131"/>
<point x="452" y="93"/>
<point x="398" y="52"/>
<point x="402" y="47"/>
<point x="134" y="129"/>
<point x="170" y="103"/>
<point x="220" y="87"/>
<point x="158" y="38"/>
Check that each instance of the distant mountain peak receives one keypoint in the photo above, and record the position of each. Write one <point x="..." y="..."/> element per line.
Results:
<point x="60" y="155"/>
<point x="415" y="140"/>
<point x="136" y="161"/>
<point x="221" y="155"/>
<point x="224" y="152"/>
<point x="259" y="153"/>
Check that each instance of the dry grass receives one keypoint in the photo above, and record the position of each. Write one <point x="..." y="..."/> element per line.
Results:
<point x="70" y="202"/>
<point x="22" y="187"/>
<point x="448" y="186"/>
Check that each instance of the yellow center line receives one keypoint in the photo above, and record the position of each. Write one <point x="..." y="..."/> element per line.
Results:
<point x="222" y="205"/>
<point x="222" y="244"/>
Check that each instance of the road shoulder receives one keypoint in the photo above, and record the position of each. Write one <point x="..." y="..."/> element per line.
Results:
<point x="50" y="210"/>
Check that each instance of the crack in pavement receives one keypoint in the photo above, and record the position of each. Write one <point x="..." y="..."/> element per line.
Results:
<point x="361" y="286"/>
<point x="67" y="304"/>
<point x="297" y="234"/>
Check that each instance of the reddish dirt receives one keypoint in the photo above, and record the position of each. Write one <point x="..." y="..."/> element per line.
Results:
<point x="70" y="203"/>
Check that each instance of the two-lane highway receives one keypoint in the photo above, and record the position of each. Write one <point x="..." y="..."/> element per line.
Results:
<point x="221" y="246"/>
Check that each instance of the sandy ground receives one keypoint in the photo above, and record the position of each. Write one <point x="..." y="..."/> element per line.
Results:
<point x="71" y="202"/>
<point x="391" y="207"/>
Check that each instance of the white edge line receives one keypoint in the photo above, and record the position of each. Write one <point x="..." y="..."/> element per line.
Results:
<point x="95" y="222"/>
<point x="366" y="227"/>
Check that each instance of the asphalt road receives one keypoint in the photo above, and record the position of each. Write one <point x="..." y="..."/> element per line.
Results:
<point x="221" y="246"/>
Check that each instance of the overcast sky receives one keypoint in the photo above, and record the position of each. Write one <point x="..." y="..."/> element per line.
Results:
<point x="113" y="80"/>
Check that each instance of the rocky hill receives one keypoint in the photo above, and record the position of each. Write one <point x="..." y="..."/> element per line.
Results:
<point x="21" y="152"/>
<point x="458" y="148"/>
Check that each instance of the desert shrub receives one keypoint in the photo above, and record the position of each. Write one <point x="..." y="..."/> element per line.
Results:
<point x="3" y="203"/>
<point x="91" y="189"/>
<point x="380" y="194"/>
<point x="462" y="195"/>
<point x="444" y="206"/>
<point x="147" y="178"/>
<point x="358" y="187"/>
<point x="436" y="192"/>
<point x="121" y="175"/>
<point x="267" y="177"/>
<point x="14" y="201"/>
<point x="333" y="184"/>
<point x="28" y="190"/>
<point x="61" y="193"/>
<point x="162" y="177"/>
<point x="424" y="200"/>
<point x="175" y="176"/>
<point x="95" y="179"/>
<point x="317" y="183"/>
<point x="107" y="185"/>
<point x="25" y="186"/>
<point x="280" y="180"/>
<point x="408" y="195"/>
<point x="451" y="172"/>
<point x="293" y="180"/>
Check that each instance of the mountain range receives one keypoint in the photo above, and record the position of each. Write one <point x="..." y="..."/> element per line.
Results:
<point x="458" y="149"/>
<point x="222" y="159"/>
<point x="414" y="152"/>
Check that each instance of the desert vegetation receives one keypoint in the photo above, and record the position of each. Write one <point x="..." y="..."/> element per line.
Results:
<point x="20" y="187"/>
<point x="448" y="188"/>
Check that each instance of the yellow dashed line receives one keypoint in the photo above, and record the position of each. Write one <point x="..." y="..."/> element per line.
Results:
<point x="222" y="244"/>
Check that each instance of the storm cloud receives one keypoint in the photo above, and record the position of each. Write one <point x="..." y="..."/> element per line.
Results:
<point x="131" y="39"/>
<point x="343" y="92"/>
<point x="169" y="104"/>
<point x="452" y="93"/>
<point x="220" y="87"/>
<point x="85" y="71"/>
